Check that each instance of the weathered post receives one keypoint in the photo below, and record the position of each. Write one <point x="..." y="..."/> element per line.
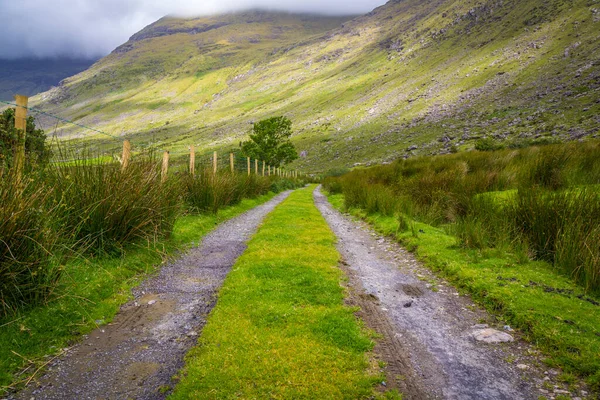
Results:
<point x="215" y="163"/>
<point x="165" y="167"/>
<point x="268" y="170"/>
<point x="231" y="164"/>
<point x="21" y="127"/>
<point x="126" y="155"/>
<point x="192" y="160"/>
<point x="248" y="166"/>
<point x="255" y="167"/>
<point x="263" y="171"/>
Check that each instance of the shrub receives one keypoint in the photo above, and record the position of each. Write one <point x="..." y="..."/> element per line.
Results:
<point x="488" y="144"/>
<point x="281" y="184"/>
<point x="332" y="185"/>
<point x="36" y="150"/>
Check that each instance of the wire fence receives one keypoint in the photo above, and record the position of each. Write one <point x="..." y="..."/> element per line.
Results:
<point x="207" y="160"/>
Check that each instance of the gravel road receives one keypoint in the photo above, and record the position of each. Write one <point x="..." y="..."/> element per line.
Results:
<point x="427" y="336"/>
<point x="136" y="356"/>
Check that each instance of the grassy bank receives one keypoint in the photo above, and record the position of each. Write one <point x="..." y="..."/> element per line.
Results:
<point x="550" y="310"/>
<point x="89" y="292"/>
<point x="90" y="208"/>
<point x="280" y="328"/>
<point x="540" y="202"/>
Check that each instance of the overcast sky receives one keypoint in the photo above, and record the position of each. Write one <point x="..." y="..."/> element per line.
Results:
<point x="91" y="28"/>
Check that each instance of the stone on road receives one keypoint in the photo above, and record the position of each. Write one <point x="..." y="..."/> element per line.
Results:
<point x="489" y="335"/>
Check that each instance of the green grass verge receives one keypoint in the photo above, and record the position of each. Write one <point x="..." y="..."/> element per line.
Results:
<point x="552" y="311"/>
<point x="280" y="329"/>
<point x="90" y="293"/>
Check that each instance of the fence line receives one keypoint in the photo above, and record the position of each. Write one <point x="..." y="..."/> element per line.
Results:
<point x="21" y="108"/>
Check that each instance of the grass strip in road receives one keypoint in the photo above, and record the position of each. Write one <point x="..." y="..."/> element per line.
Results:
<point x="280" y="329"/>
<point x="90" y="294"/>
<point x="552" y="311"/>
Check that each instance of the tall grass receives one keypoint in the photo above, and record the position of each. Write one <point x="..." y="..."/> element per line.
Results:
<point x="84" y="208"/>
<point x="104" y="208"/>
<point x="563" y="228"/>
<point x="543" y="201"/>
<point x="208" y="192"/>
<point x="88" y="207"/>
<point x="30" y="235"/>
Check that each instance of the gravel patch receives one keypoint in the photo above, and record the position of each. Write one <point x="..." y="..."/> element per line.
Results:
<point x="430" y="326"/>
<point x="136" y="356"/>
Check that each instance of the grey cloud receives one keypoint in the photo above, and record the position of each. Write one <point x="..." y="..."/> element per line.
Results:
<point x="90" y="28"/>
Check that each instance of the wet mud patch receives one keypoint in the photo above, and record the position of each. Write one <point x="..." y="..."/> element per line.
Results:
<point x="412" y="290"/>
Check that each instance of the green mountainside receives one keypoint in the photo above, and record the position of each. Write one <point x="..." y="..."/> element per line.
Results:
<point x="411" y="77"/>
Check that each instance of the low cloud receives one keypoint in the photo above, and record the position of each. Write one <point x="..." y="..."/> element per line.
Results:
<point x="92" y="28"/>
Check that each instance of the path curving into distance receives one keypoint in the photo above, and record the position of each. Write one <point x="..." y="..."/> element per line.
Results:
<point x="136" y="356"/>
<point x="427" y="337"/>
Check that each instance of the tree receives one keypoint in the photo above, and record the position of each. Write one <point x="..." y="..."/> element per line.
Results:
<point x="36" y="151"/>
<point x="270" y="142"/>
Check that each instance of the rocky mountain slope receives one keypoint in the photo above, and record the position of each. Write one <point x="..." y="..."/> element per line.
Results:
<point x="411" y="77"/>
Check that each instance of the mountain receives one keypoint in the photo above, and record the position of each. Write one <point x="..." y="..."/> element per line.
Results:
<point x="411" y="77"/>
<point x="30" y="76"/>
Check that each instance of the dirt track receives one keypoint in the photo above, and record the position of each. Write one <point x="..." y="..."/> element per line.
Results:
<point x="427" y="337"/>
<point x="136" y="356"/>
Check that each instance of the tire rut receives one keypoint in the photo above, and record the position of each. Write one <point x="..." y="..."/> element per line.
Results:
<point x="427" y="336"/>
<point x="139" y="352"/>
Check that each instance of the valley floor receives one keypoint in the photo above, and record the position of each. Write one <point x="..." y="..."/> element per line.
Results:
<point x="282" y="326"/>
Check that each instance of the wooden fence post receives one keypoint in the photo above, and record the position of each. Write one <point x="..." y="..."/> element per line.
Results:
<point x="268" y="170"/>
<point x="165" y="167"/>
<point x="215" y="163"/>
<point x="255" y="167"/>
<point x="231" y="164"/>
<point x="248" y="166"/>
<point x="126" y="154"/>
<point x="192" y="160"/>
<point x="263" y="174"/>
<point x="21" y="127"/>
